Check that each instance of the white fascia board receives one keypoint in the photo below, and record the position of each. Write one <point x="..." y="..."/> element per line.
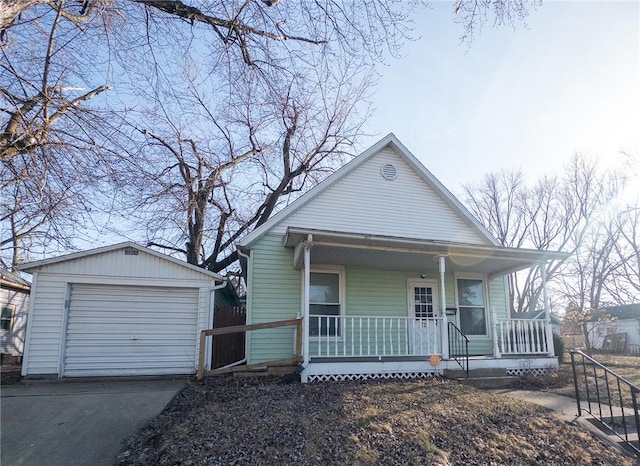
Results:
<point x="314" y="192"/>
<point x="114" y="247"/>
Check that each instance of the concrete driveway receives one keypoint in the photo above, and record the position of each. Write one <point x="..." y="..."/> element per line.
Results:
<point x="76" y="423"/>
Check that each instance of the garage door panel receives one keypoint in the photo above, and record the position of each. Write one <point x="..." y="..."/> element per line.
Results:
<point x="129" y="330"/>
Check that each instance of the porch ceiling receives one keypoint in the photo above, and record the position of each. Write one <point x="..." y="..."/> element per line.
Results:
<point x="341" y="248"/>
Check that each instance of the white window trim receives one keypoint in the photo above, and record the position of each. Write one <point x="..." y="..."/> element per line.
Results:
<point x="487" y="314"/>
<point x="11" y="319"/>
<point x="337" y="269"/>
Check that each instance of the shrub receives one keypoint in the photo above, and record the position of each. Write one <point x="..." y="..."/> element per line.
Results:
<point x="558" y="345"/>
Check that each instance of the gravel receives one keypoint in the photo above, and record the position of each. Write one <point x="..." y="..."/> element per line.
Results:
<point x="227" y="421"/>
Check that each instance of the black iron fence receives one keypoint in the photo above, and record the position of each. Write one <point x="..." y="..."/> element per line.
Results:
<point x="608" y="397"/>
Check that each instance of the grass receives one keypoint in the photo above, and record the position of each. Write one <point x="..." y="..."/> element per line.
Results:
<point x="227" y="421"/>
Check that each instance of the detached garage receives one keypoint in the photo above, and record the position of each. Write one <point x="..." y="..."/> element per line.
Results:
<point x="116" y="311"/>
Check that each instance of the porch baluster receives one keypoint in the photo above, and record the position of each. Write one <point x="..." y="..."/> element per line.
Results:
<point x="384" y="337"/>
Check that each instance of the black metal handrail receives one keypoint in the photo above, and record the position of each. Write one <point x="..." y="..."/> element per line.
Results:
<point x="613" y="402"/>
<point x="459" y="347"/>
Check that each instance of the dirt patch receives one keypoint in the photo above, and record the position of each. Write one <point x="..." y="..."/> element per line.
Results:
<point x="257" y="421"/>
<point x="10" y="375"/>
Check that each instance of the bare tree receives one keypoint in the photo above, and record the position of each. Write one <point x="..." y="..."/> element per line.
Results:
<point x="235" y="106"/>
<point x="199" y="192"/>
<point x="553" y="214"/>
<point x="56" y="143"/>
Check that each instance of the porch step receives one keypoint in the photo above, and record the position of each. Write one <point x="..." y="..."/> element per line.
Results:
<point x="488" y="382"/>
<point x="475" y="373"/>
<point x="482" y="378"/>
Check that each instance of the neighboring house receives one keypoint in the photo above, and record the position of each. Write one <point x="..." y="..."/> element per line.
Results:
<point x="14" y="302"/>
<point x="117" y="310"/>
<point x="616" y="329"/>
<point x="540" y="314"/>
<point x="387" y="270"/>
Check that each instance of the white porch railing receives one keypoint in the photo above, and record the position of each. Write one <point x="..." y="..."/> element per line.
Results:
<point x="368" y="336"/>
<point x="521" y="336"/>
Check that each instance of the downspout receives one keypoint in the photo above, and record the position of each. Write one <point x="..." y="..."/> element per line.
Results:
<point x="443" y="308"/>
<point x="249" y="301"/>
<point x="305" y="304"/>
<point x="212" y="311"/>
<point x="547" y="315"/>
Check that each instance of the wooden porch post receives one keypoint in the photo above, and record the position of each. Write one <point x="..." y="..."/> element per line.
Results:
<point x="305" y="305"/>
<point x="547" y="315"/>
<point x="443" y="309"/>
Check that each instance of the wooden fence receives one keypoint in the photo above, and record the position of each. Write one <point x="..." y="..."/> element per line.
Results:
<point x="228" y="348"/>
<point x="242" y="329"/>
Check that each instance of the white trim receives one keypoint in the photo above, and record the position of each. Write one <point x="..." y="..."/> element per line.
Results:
<point x="487" y="304"/>
<point x="248" y="303"/>
<point x="411" y="369"/>
<point x="114" y="247"/>
<point x="27" y="335"/>
<point x="429" y="282"/>
<point x="63" y="331"/>
<point x="405" y="155"/>
<point x="340" y="271"/>
<point x="134" y="281"/>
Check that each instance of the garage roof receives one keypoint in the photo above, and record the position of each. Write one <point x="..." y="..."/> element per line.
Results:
<point x="114" y="247"/>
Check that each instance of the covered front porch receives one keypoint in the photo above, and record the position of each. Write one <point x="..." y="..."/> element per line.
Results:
<point x="375" y="306"/>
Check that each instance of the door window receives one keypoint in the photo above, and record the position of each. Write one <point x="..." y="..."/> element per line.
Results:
<point x="423" y="302"/>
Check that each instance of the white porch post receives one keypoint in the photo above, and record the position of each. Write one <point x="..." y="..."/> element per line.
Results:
<point x="496" y="347"/>
<point x="443" y="309"/>
<point x="305" y="309"/>
<point x="547" y="315"/>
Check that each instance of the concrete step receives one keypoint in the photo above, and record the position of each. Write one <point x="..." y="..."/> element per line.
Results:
<point x="488" y="382"/>
<point x="475" y="373"/>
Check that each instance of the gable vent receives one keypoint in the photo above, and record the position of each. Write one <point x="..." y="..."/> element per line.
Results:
<point x="389" y="172"/>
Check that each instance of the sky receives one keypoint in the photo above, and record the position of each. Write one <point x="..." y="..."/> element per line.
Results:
<point x="524" y="97"/>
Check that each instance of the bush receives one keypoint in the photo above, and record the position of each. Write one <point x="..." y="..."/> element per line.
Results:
<point x="558" y="345"/>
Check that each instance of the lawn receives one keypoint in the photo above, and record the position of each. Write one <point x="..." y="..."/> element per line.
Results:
<point x="265" y="421"/>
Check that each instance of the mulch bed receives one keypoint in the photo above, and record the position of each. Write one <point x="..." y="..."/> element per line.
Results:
<point x="265" y="421"/>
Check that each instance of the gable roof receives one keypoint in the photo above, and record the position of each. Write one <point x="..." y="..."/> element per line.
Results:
<point x="11" y="280"/>
<point x="624" y="311"/>
<point x="114" y="247"/>
<point x="392" y="141"/>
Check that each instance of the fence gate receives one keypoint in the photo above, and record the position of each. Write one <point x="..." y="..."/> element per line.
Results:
<point x="228" y="348"/>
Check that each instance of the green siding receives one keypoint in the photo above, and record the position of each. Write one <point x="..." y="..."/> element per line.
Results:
<point x="276" y="295"/>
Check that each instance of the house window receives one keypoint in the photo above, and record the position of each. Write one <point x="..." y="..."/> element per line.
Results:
<point x="472" y="306"/>
<point x="6" y="317"/>
<point x="324" y="300"/>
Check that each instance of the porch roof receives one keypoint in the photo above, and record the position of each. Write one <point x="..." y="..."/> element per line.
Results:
<point x="345" y="248"/>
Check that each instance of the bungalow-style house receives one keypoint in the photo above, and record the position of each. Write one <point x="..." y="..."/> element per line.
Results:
<point x="616" y="329"/>
<point x="391" y="276"/>
<point x="14" y="304"/>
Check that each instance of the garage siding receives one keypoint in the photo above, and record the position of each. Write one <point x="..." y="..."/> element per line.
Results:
<point x="163" y="284"/>
<point x="129" y="330"/>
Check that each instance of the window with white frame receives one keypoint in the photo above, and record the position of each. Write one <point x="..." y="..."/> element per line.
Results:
<point x="6" y="317"/>
<point x="472" y="308"/>
<point x="325" y="304"/>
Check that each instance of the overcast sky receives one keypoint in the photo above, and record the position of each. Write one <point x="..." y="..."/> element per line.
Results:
<point x="529" y="97"/>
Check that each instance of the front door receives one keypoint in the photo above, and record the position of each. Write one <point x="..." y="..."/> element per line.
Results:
<point x="423" y="331"/>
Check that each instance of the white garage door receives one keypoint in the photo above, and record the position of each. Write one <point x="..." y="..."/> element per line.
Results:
<point x="130" y="330"/>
